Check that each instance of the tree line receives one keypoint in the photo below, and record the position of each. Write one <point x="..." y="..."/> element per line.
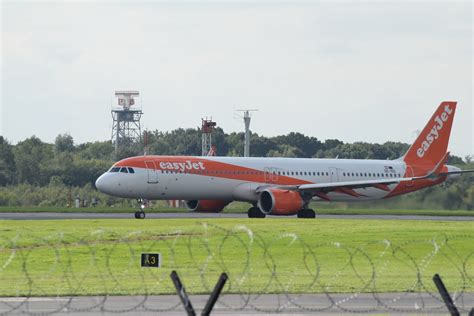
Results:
<point x="31" y="170"/>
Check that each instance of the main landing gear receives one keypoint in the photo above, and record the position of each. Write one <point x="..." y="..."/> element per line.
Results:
<point x="140" y="214"/>
<point x="254" y="212"/>
<point x="306" y="213"/>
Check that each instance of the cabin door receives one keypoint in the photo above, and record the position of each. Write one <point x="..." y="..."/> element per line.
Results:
<point x="333" y="174"/>
<point x="152" y="172"/>
<point x="271" y="175"/>
<point x="409" y="175"/>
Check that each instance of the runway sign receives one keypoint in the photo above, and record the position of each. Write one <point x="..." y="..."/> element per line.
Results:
<point x="151" y="260"/>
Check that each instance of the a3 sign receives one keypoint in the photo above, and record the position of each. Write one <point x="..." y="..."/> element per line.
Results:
<point x="151" y="260"/>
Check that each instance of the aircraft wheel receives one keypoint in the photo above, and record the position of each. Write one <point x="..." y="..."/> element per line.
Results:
<point x="139" y="215"/>
<point x="306" y="213"/>
<point x="254" y="212"/>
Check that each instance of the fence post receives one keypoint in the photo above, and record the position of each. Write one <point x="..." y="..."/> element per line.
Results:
<point x="215" y="294"/>
<point x="182" y="294"/>
<point x="445" y="295"/>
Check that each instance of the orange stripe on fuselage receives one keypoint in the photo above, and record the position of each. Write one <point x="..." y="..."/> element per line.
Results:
<point x="205" y="167"/>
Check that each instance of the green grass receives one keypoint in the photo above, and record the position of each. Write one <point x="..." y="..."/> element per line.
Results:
<point x="239" y="207"/>
<point x="87" y="257"/>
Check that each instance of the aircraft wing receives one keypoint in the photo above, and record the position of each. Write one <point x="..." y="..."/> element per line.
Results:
<point x="346" y="187"/>
<point x="352" y="184"/>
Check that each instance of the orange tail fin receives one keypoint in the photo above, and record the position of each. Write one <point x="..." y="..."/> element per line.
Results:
<point x="432" y="143"/>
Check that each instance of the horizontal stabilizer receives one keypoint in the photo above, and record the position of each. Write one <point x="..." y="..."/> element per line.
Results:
<point x="455" y="172"/>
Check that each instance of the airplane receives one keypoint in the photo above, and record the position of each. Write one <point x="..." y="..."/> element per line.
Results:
<point x="284" y="186"/>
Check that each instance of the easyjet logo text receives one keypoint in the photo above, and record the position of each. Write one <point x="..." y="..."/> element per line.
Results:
<point x="434" y="133"/>
<point x="182" y="166"/>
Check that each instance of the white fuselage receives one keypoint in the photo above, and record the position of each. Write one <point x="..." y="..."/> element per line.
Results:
<point x="237" y="178"/>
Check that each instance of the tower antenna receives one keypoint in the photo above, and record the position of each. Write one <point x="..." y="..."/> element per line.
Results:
<point x="247" y="119"/>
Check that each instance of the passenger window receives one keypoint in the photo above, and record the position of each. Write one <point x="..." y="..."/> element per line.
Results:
<point x="130" y="170"/>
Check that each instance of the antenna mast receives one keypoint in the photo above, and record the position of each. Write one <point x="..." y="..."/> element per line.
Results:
<point x="247" y="119"/>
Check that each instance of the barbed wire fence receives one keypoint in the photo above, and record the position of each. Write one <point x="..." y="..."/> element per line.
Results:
<point x="58" y="273"/>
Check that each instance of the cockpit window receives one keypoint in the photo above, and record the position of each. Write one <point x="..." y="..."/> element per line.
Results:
<point x="122" y="169"/>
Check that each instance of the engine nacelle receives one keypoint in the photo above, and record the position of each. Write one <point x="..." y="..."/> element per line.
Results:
<point x="280" y="202"/>
<point x="208" y="206"/>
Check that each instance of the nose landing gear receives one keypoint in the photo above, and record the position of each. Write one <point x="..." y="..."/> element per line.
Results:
<point x="140" y="214"/>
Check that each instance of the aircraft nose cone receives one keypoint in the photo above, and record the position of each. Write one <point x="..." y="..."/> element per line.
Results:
<point x="100" y="183"/>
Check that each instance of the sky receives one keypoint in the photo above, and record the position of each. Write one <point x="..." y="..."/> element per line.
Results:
<point x="356" y="71"/>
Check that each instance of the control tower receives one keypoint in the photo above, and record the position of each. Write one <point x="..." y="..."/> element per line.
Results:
<point x="126" y="127"/>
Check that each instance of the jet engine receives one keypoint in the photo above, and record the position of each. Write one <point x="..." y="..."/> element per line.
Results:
<point x="280" y="202"/>
<point x="206" y="206"/>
